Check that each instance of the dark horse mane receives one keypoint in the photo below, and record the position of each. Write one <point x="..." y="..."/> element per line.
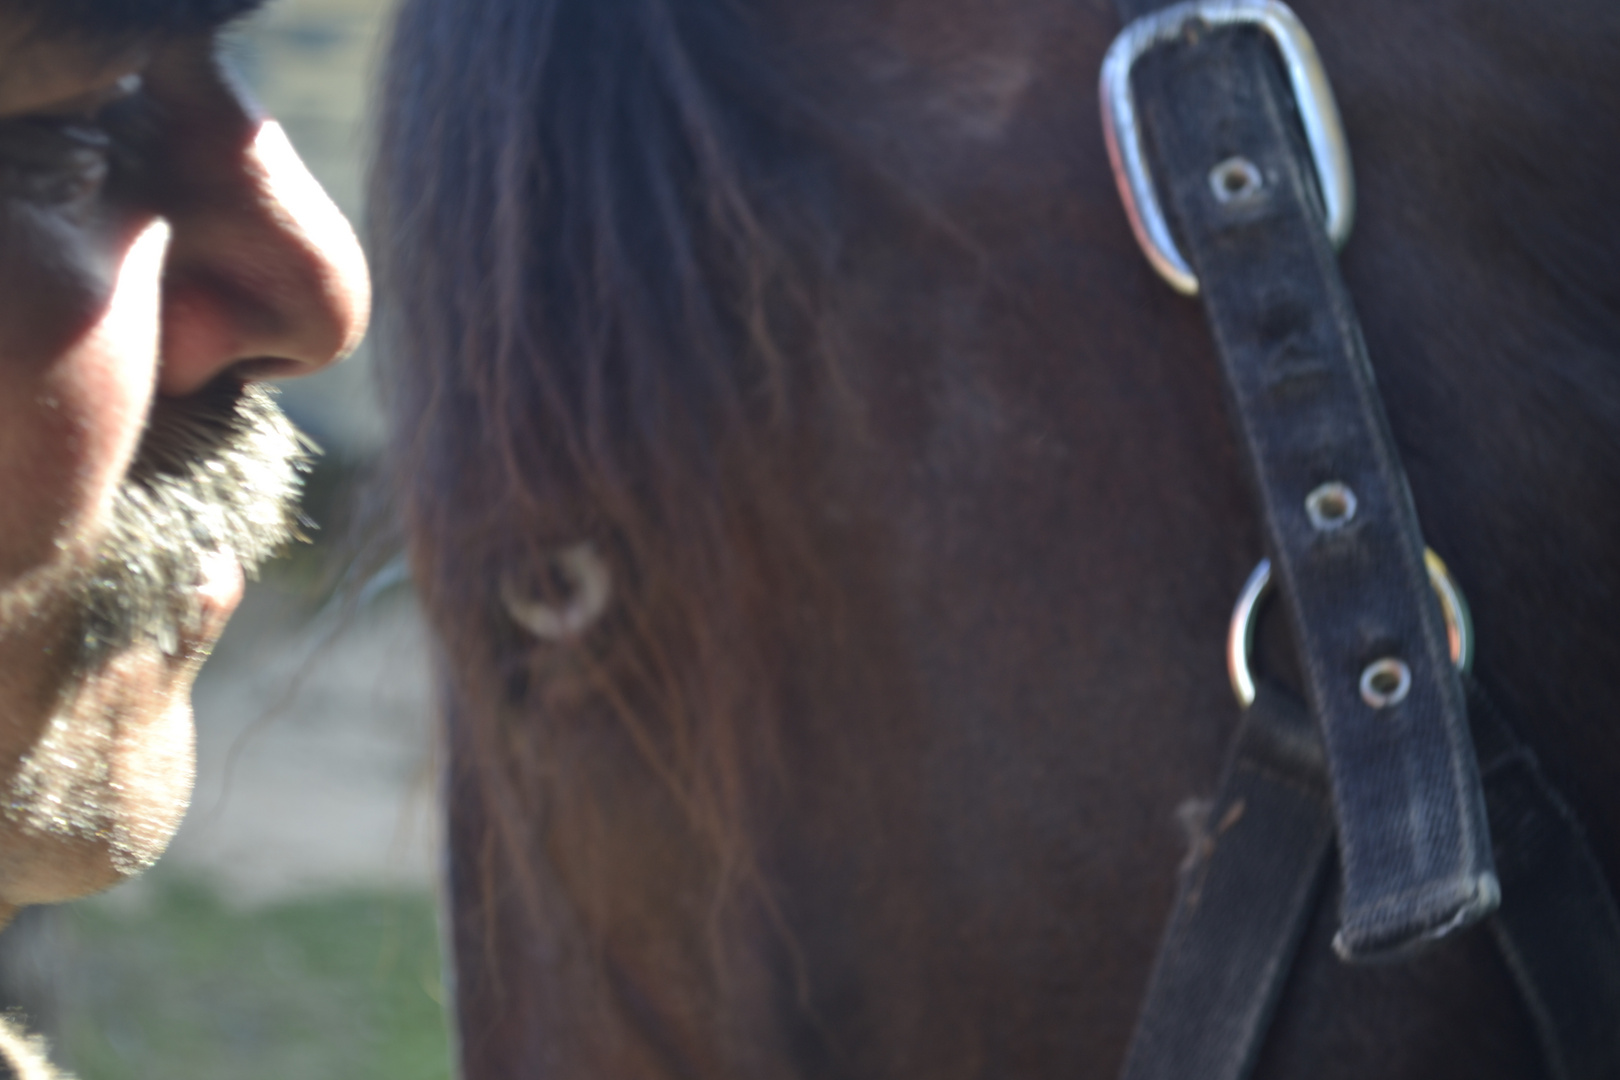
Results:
<point x="628" y="250"/>
<point x="617" y="275"/>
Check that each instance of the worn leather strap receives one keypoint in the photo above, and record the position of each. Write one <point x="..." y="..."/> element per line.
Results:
<point x="1307" y="411"/>
<point x="1413" y="839"/>
<point x="1251" y="885"/>
<point x="1245" y="897"/>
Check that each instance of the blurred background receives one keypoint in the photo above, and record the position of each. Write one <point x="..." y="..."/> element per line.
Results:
<point x="290" y="931"/>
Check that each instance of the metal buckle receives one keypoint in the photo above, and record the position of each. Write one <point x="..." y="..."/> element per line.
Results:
<point x="1123" y="132"/>
<point x="1245" y="613"/>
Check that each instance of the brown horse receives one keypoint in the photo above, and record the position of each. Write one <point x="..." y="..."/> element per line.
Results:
<point x="832" y="522"/>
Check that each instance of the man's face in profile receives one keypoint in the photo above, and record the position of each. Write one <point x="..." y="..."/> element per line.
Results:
<point x="160" y="247"/>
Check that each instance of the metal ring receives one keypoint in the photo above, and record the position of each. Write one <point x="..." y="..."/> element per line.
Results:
<point x="1122" y="129"/>
<point x="1245" y="613"/>
<point x="1385" y="682"/>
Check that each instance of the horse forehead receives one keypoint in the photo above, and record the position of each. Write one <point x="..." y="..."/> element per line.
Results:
<point x="975" y="94"/>
<point x="953" y="69"/>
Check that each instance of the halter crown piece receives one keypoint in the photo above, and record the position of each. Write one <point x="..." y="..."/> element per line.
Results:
<point x="1381" y="763"/>
<point x="1411" y="827"/>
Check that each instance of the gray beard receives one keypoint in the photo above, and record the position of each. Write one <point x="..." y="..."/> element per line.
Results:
<point x="217" y="471"/>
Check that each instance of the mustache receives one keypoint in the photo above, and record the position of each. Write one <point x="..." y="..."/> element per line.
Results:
<point x="220" y="470"/>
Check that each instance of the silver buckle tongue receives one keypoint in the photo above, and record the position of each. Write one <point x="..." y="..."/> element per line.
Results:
<point x="1122" y="129"/>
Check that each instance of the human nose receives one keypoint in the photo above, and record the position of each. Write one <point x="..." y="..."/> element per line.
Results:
<point x="264" y="276"/>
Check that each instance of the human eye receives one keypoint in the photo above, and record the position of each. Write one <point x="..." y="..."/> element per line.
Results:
<point x="69" y="154"/>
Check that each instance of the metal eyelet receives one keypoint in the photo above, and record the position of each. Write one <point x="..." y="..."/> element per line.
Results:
<point x="1385" y="682"/>
<point x="1235" y="181"/>
<point x="1330" y="506"/>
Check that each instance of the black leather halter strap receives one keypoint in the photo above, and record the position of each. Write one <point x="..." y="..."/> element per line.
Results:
<point x="1383" y="762"/>
<point x="1412" y="834"/>
<point x="1248" y="892"/>
<point x="1246" y="895"/>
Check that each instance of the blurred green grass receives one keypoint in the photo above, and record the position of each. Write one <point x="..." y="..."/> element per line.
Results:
<point x="182" y="985"/>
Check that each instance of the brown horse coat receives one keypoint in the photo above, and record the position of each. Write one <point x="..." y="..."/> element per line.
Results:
<point x="822" y="325"/>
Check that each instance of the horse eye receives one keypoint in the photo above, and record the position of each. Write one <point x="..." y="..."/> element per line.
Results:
<point x="575" y="596"/>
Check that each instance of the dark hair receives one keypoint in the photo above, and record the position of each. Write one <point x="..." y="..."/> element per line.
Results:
<point x="602" y="238"/>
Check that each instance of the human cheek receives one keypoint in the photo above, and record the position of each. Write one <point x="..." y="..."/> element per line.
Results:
<point x="78" y="349"/>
